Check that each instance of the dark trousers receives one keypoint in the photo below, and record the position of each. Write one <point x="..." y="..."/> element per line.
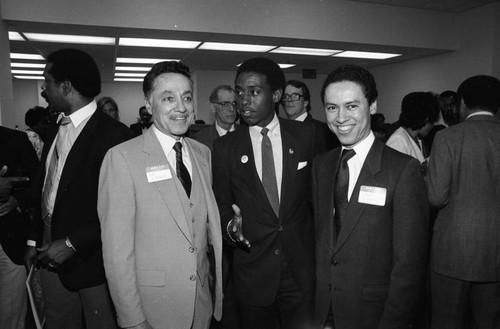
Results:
<point x="461" y="304"/>
<point x="290" y="310"/>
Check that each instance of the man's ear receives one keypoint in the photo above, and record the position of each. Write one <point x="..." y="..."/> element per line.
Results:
<point x="277" y="94"/>
<point x="147" y="103"/>
<point x="373" y="107"/>
<point x="67" y="87"/>
<point x="306" y="103"/>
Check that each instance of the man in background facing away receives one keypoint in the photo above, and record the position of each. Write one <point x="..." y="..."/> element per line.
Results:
<point x="161" y="232"/>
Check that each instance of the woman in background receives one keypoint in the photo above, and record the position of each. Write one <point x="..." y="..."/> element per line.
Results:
<point x="108" y="106"/>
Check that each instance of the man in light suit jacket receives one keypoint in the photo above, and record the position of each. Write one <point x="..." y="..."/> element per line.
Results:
<point x="161" y="233"/>
<point x="66" y="228"/>
<point x="273" y="260"/>
<point x="223" y="104"/>
<point x="371" y="216"/>
<point x="464" y="182"/>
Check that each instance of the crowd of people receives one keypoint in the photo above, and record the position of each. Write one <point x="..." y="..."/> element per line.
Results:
<point x="257" y="221"/>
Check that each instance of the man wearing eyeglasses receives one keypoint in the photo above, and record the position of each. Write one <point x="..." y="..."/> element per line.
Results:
<point x="296" y="102"/>
<point x="223" y="104"/>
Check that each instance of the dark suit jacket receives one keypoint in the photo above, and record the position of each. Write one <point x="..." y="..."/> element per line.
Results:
<point x="75" y="208"/>
<point x="208" y="135"/>
<point x="17" y="153"/>
<point x="464" y="181"/>
<point x="374" y="272"/>
<point x="257" y="271"/>
<point x="137" y="128"/>
<point x="324" y="138"/>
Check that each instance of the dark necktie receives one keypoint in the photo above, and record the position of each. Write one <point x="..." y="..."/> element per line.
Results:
<point x="182" y="172"/>
<point x="340" y="200"/>
<point x="269" y="172"/>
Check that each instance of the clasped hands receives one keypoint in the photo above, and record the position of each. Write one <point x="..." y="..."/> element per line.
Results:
<point x="234" y="228"/>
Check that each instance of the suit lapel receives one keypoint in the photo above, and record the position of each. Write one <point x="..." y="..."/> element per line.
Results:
<point x="290" y="163"/>
<point x="366" y="177"/>
<point x="79" y="151"/>
<point x="167" y="188"/>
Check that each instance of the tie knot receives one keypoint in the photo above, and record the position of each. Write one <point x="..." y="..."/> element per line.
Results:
<point x="264" y="131"/>
<point x="178" y="147"/>
<point x="347" y="154"/>
<point x="64" y="120"/>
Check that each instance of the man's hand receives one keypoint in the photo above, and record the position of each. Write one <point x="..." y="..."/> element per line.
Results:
<point x="8" y="183"/>
<point x="8" y="205"/>
<point x="55" y="254"/>
<point x="234" y="228"/>
<point x="30" y="257"/>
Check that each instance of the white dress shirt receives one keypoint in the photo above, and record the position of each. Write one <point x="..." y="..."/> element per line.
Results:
<point x="356" y="162"/>
<point x="274" y="135"/>
<point x="167" y="143"/>
<point x="301" y="117"/>
<point x="401" y="141"/>
<point x="221" y="131"/>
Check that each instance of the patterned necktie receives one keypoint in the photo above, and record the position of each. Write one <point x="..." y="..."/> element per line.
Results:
<point x="60" y="151"/>
<point x="269" y="172"/>
<point x="182" y="172"/>
<point x="340" y="200"/>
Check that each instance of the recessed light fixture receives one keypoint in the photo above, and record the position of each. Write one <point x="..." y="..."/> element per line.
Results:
<point x="29" y="77"/>
<point x="365" y="54"/>
<point x="27" y="72"/>
<point x="26" y="56"/>
<point x="235" y="47"/>
<point x="128" y="79"/>
<point x="28" y="65"/>
<point x="283" y="66"/>
<point x="142" y="60"/>
<point x="158" y="43"/>
<point x="14" y="36"/>
<point x="133" y="68"/>
<point x="130" y="75"/>
<point x="305" y="51"/>
<point x="68" y="38"/>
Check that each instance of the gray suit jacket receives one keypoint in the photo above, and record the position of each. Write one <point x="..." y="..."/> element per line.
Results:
<point x="464" y="181"/>
<point x="147" y="243"/>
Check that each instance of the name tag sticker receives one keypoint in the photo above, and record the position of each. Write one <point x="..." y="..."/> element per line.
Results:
<point x="372" y="195"/>
<point x="158" y="173"/>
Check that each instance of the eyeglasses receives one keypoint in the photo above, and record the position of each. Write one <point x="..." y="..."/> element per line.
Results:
<point x="226" y="105"/>
<point x="292" y="97"/>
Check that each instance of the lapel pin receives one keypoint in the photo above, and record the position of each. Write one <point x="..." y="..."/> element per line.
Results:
<point x="244" y="159"/>
<point x="290" y="151"/>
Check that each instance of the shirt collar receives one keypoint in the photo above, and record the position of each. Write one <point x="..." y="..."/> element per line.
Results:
<point x="221" y="131"/>
<point x="81" y="114"/>
<point x="166" y="141"/>
<point x="273" y="127"/>
<point x="301" y="117"/>
<point x="363" y="147"/>
<point x="479" y="113"/>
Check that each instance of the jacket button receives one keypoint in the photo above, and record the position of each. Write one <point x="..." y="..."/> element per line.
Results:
<point x="334" y="262"/>
<point x="191" y="249"/>
<point x="192" y="278"/>
<point x="280" y="228"/>
<point x="277" y="252"/>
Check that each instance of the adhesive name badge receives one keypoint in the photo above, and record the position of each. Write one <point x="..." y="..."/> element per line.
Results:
<point x="158" y="173"/>
<point x="372" y="195"/>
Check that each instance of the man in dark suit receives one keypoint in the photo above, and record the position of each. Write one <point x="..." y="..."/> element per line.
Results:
<point x="297" y="104"/>
<point x="371" y="216"/>
<point x="66" y="226"/>
<point x="262" y="187"/>
<point x="144" y="122"/>
<point x="464" y="182"/>
<point x="18" y="163"/>
<point x="223" y="104"/>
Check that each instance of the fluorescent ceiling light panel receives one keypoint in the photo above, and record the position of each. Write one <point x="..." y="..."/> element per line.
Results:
<point x="130" y="60"/>
<point x="158" y="43"/>
<point x="235" y="47"/>
<point x="128" y="79"/>
<point x="305" y="51"/>
<point x="286" y="66"/>
<point x="28" y="65"/>
<point x="26" y="56"/>
<point x="26" y="72"/>
<point x="133" y="68"/>
<point x="29" y="77"/>
<point x="130" y="75"/>
<point x="67" y="38"/>
<point x="14" y="36"/>
<point x="365" y="54"/>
